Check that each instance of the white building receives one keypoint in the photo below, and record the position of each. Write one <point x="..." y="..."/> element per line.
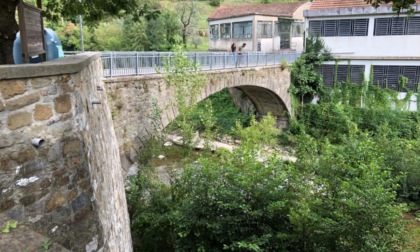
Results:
<point x="368" y="38"/>
<point x="257" y="25"/>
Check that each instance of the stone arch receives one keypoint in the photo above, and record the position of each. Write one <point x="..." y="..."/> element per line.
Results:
<point x="266" y="87"/>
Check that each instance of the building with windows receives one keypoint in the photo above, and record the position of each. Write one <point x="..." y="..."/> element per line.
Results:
<point x="263" y="27"/>
<point x="365" y="39"/>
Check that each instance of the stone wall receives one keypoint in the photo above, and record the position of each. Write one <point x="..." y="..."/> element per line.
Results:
<point x="131" y="100"/>
<point x="70" y="188"/>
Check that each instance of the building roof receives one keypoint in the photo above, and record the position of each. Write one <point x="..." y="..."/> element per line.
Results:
<point x="336" y="4"/>
<point x="273" y="9"/>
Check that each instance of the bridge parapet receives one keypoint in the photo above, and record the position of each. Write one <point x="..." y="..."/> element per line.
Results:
<point x="59" y="165"/>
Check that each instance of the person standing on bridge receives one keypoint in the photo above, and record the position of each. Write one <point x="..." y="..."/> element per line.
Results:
<point x="233" y="51"/>
<point x="240" y="54"/>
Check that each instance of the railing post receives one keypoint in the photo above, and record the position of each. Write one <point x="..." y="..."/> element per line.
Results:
<point x="224" y="60"/>
<point x="137" y="63"/>
<point x="258" y="58"/>
<point x="111" y="64"/>
<point x="266" y="58"/>
<point x="247" y="59"/>
<point x="211" y="61"/>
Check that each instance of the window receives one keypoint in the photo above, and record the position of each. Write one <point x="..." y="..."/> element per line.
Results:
<point x="242" y="30"/>
<point x="353" y="73"/>
<point x="342" y="27"/>
<point x="397" y="26"/>
<point x="389" y="76"/>
<point x="225" y="31"/>
<point x="214" y="31"/>
<point x="297" y="29"/>
<point x="265" y="29"/>
<point x="276" y="29"/>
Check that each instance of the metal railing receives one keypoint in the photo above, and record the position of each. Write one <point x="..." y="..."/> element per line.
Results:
<point x="140" y="63"/>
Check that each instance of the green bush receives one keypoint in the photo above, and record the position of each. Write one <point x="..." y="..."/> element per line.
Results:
<point x="334" y="198"/>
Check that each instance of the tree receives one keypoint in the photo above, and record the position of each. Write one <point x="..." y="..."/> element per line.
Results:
<point x="306" y="79"/>
<point x="397" y="5"/>
<point x="8" y="30"/>
<point x="188" y="14"/>
<point x="92" y="11"/>
<point x="162" y="33"/>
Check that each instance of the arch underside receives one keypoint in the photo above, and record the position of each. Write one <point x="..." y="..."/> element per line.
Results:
<point x="265" y="101"/>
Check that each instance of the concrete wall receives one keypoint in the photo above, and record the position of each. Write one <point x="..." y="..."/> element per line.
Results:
<point x="70" y="188"/>
<point x="131" y="100"/>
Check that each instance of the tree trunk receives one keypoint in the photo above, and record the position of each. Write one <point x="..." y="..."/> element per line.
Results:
<point x="8" y="30"/>
<point x="184" y="36"/>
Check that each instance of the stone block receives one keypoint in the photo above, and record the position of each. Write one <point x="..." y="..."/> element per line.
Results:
<point x="43" y="112"/>
<point x="59" y="173"/>
<point x="28" y="199"/>
<point x="11" y="88"/>
<point x="23" y="101"/>
<point x="84" y="184"/>
<point x="44" y="183"/>
<point x="40" y="82"/>
<point x="64" y="83"/>
<point x="24" y="155"/>
<point x="62" y="181"/>
<point x="6" y="164"/>
<point x="72" y="195"/>
<point x="32" y="165"/>
<point x="57" y="199"/>
<point x="81" y="173"/>
<point x="6" y="141"/>
<point x="74" y="163"/>
<point x="71" y="147"/>
<point x="6" y="205"/>
<point x="82" y="202"/>
<point x="19" y="120"/>
<point x="52" y="90"/>
<point x="62" y="104"/>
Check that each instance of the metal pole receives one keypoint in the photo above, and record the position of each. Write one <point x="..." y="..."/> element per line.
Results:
<point x="137" y="63"/>
<point x="211" y="60"/>
<point x="81" y="33"/>
<point x="82" y="44"/>
<point x="111" y="65"/>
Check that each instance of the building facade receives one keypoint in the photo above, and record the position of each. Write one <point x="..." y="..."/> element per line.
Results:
<point x="367" y="42"/>
<point x="263" y="27"/>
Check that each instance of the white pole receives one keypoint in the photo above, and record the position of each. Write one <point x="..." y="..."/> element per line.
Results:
<point x="81" y="31"/>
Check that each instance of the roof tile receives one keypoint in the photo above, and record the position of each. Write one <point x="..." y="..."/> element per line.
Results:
<point x="274" y="9"/>
<point x="336" y="4"/>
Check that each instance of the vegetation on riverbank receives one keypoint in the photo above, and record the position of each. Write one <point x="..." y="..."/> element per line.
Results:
<point x="355" y="174"/>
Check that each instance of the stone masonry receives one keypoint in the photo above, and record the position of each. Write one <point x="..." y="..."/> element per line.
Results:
<point x="70" y="188"/>
<point x="131" y="99"/>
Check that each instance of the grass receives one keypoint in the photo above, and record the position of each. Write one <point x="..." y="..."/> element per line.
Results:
<point x="412" y="225"/>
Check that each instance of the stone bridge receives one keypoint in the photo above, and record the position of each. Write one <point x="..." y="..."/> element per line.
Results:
<point x="131" y="100"/>
<point x="67" y="136"/>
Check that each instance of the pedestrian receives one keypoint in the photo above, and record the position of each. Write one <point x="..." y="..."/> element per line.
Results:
<point x="240" y="54"/>
<point x="233" y="51"/>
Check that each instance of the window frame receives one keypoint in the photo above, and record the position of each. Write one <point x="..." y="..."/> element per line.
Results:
<point x="396" y="26"/>
<point x="214" y="31"/>
<point x="356" y="27"/>
<point x="341" y="73"/>
<point x="295" y="33"/>
<point x="264" y="29"/>
<point x="226" y="27"/>
<point x="383" y="73"/>
<point x="242" y="26"/>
